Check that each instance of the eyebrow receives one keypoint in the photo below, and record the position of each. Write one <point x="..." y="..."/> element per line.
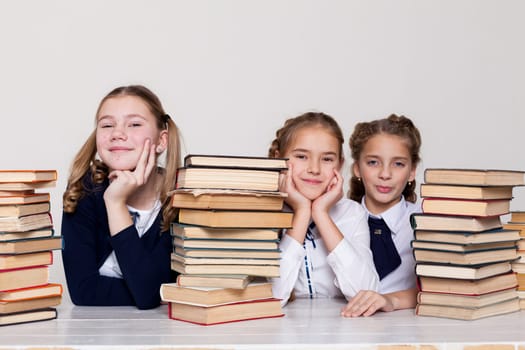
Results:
<point x="127" y="116"/>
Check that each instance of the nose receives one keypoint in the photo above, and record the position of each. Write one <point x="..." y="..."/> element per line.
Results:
<point x="313" y="167"/>
<point x="118" y="133"/>
<point x="385" y="173"/>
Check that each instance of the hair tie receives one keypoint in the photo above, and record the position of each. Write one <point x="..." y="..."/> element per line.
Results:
<point x="165" y="118"/>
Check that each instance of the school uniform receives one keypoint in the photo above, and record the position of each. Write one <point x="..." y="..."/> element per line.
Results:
<point x="397" y="219"/>
<point x="93" y="276"/>
<point x="311" y="272"/>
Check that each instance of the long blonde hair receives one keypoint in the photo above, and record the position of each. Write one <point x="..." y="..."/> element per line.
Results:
<point x="85" y="160"/>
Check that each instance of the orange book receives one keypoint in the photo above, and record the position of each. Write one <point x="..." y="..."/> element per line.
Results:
<point x="15" y="261"/>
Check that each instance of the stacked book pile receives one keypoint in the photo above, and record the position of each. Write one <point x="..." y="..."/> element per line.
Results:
<point x="226" y="239"/>
<point x="463" y="254"/>
<point x="27" y="242"/>
<point x="517" y="222"/>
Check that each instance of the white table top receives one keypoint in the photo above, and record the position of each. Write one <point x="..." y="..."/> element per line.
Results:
<point x="314" y="324"/>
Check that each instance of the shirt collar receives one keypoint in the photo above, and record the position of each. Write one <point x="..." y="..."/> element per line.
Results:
<point x="391" y="216"/>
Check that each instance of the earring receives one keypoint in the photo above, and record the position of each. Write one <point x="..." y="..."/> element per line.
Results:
<point x="409" y="183"/>
<point x="359" y="179"/>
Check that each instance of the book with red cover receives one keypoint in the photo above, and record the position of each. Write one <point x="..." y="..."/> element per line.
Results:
<point x="44" y="291"/>
<point x="225" y="313"/>
<point x="24" y="277"/>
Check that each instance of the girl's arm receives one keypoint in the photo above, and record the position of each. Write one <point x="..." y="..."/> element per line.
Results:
<point x="367" y="302"/>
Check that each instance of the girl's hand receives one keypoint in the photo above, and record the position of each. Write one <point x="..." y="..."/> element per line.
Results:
<point x="366" y="303"/>
<point x="295" y="199"/>
<point x="124" y="182"/>
<point x="333" y="194"/>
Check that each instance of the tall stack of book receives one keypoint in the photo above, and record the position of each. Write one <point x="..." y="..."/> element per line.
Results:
<point x="517" y="222"/>
<point x="463" y="254"/>
<point x="226" y="239"/>
<point x="27" y="242"/>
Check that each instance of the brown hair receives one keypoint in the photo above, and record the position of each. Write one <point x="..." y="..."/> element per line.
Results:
<point x="393" y="125"/>
<point x="85" y="161"/>
<point x="284" y="135"/>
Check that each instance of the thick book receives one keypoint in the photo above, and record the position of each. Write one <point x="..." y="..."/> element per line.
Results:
<point x="229" y="161"/>
<point x="465" y="313"/>
<point x="474" y="177"/>
<point x="437" y="222"/>
<point x="466" y="192"/>
<point x="29" y="304"/>
<point x="25" y="223"/>
<point x="227" y="253"/>
<point x="517" y="217"/>
<point x="224" y="244"/>
<point x="469" y="301"/>
<point x="223" y="261"/>
<point x="38" y="233"/>
<point x="518" y="267"/>
<point x="17" y="210"/>
<point x="209" y="296"/>
<point x="242" y="311"/>
<point x="462" y="237"/>
<point x="28" y="316"/>
<point x="475" y="272"/>
<point x="465" y="258"/>
<point x="515" y="226"/>
<point x="236" y="218"/>
<point x="14" y="261"/>
<point x="202" y="232"/>
<point x="27" y="175"/>
<point x="227" y="199"/>
<point x="252" y="270"/>
<point x="467" y="287"/>
<point x="23" y="198"/>
<point x="465" y="207"/>
<point x="43" y="291"/>
<point x="24" y="277"/>
<point x="26" y="186"/>
<point x="222" y="178"/>
<point x="31" y="245"/>
<point x="215" y="280"/>
<point x="463" y="248"/>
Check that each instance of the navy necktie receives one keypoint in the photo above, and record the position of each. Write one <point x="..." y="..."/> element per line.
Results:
<point x="386" y="257"/>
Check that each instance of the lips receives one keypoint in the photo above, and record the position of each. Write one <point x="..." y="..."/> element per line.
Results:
<point x="312" y="182"/>
<point x="383" y="189"/>
<point x="119" y="149"/>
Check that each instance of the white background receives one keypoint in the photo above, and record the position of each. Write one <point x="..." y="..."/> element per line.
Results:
<point x="230" y="73"/>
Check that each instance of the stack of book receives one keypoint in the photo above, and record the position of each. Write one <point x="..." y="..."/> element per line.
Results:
<point x="463" y="254"/>
<point x="226" y="239"/>
<point x="27" y="242"/>
<point x="517" y="222"/>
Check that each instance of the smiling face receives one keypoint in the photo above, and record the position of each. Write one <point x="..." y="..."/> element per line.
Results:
<point x="123" y="125"/>
<point x="314" y="154"/>
<point x="384" y="167"/>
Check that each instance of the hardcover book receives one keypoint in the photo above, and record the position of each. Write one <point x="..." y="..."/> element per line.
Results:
<point x="43" y="291"/>
<point x="236" y="218"/>
<point x="465" y="313"/>
<point x="436" y="222"/>
<point x="25" y="223"/>
<point x="202" y="232"/>
<point x="18" y="210"/>
<point x="224" y="244"/>
<point x="31" y="245"/>
<point x="242" y="311"/>
<point x="468" y="301"/>
<point x="23" y="277"/>
<point x="227" y="199"/>
<point x="465" y="258"/>
<point x="466" y="207"/>
<point x="467" y="287"/>
<point x="223" y="261"/>
<point x="28" y="316"/>
<point x="26" y="186"/>
<point x="252" y="270"/>
<point x="221" y="178"/>
<point x="475" y="177"/>
<point x="14" y="261"/>
<point x="466" y="192"/>
<point x="214" y="296"/>
<point x="228" y="161"/>
<point x="463" y="237"/>
<point x="216" y="280"/>
<point x="227" y="253"/>
<point x="475" y="272"/>
<point x="462" y="248"/>
<point x="27" y="175"/>
<point x="23" y="198"/>
<point x="29" y="304"/>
